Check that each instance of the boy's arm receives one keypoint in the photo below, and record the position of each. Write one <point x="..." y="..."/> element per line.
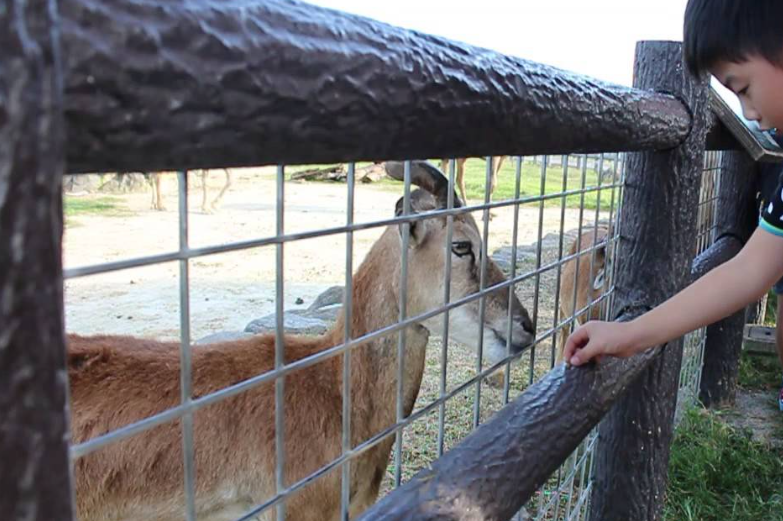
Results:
<point x="721" y="292"/>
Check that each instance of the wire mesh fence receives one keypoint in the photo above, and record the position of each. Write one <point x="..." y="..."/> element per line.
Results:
<point x="694" y="342"/>
<point x="516" y="261"/>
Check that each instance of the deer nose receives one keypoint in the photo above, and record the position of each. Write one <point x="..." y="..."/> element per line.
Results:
<point x="518" y="342"/>
<point x="527" y="324"/>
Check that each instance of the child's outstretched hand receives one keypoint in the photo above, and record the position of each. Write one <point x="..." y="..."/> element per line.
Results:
<point x="596" y="339"/>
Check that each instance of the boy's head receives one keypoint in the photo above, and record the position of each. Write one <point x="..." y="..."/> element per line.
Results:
<point x="741" y="43"/>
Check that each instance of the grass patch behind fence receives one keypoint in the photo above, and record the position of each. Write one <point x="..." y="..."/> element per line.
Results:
<point x="717" y="472"/>
<point x="759" y="371"/>
<point x="530" y="183"/>
<point x="75" y="206"/>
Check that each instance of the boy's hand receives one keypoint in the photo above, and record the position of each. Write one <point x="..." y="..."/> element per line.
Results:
<point x="595" y="339"/>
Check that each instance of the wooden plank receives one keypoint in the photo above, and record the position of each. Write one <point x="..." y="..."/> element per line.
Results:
<point x="202" y="84"/>
<point x="759" y="340"/>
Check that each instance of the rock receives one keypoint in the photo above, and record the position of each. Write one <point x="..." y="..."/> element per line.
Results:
<point x="315" y="320"/>
<point x="299" y="301"/>
<point x="105" y="183"/>
<point x="81" y="184"/>
<point x="223" y="336"/>
<point x="503" y="258"/>
<point x="331" y="296"/>
<point x="327" y="313"/>
<point x="293" y="323"/>
<point x="125" y="183"/>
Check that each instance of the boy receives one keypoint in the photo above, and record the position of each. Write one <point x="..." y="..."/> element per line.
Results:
<point x="741" y="43"/>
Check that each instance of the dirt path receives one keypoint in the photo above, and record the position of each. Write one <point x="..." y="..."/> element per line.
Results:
<point x="757" y="412"/>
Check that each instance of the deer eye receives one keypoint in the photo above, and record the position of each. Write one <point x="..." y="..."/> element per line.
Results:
<point x="461" y="248"/>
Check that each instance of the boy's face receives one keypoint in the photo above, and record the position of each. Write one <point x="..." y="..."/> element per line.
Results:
<point x="759" y="86"/>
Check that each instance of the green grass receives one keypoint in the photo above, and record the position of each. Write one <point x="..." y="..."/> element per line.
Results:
<point x="530" y="183"/>
<point x="75" y="206"/>
<point x="759" y="371"/>
<point x="718" y="473"/>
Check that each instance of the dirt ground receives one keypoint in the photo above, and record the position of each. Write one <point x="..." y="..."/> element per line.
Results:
<point x="229" y="290"/>
<point x="757" y="412"/>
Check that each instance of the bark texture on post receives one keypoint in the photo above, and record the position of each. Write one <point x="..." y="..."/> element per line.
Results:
<point x="736" y="218"/>
<point x="658" y="225"/>
<point x="34" y="467"/>
<point x="201" y="84"/>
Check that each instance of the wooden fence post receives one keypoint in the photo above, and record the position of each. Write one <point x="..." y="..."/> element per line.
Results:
<point x="656" y="247"/>
<point x="736" y="218"/>
<point x="34" y="467"/>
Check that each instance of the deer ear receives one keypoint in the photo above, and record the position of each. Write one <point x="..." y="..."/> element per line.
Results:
<point x="418" y="229"/>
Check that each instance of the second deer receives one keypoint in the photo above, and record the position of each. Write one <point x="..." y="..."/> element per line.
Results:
<point x="582" y="285"/>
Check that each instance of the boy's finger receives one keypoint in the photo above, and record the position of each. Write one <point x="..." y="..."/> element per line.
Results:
<point x="587" y="353"/>
<point x="575" y="341"/>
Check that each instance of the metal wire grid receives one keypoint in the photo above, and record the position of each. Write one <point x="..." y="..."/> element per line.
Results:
<point x="566" y="495"/>
<point x="694" y="342"/>
<point x="189" y="405"/>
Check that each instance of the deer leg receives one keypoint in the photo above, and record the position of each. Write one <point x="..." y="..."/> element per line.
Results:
<point x="459" y="167"/>
<point x="151" y="182"/>
<point x="461" y="178"/>
<point x="219" y="199"/>
<point x="157" y="193"/>
<point x="497" y="162"/>
<point x="204" y="192"/>
<point x="444" y="165"/>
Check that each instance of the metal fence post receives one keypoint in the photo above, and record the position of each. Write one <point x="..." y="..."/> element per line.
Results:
<point x="736" y="217"/>
<point x="658" y="226"/>
<point x="34" y="479"/>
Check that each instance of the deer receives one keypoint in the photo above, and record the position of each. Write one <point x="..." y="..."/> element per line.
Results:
<point x="589" y="282"/>
<point x="155" y="180"/>
<point x="117" y="380"/>
<point x="497" y="162"/>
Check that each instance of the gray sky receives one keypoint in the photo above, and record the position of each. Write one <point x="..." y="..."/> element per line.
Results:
<point x="592" y="37"/>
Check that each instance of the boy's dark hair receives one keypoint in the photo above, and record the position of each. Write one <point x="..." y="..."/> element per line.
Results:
<point x="731" y="31"/>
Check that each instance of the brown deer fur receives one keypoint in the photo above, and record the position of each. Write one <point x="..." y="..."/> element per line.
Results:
<point x="583" y="281"/>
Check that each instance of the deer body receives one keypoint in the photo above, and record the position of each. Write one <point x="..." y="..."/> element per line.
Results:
<point x="589" y="282"/>
<point x="119" y="380"/>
